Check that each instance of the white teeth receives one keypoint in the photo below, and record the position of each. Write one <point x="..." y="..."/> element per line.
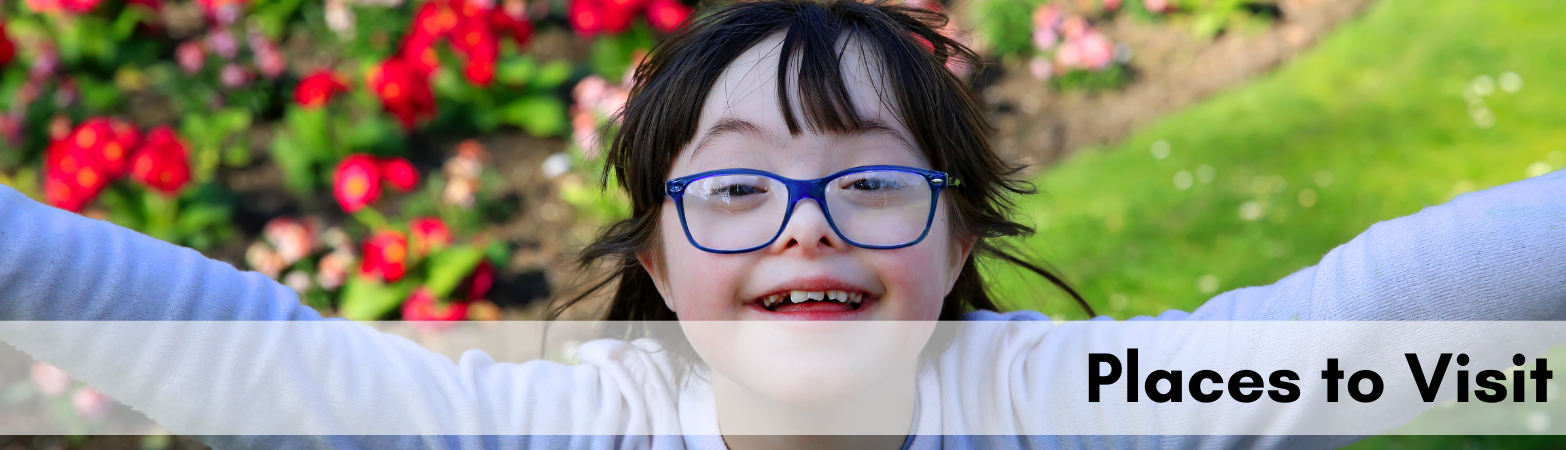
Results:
<point x="804" y="296"/>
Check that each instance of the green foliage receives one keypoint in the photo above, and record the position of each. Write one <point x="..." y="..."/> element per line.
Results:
<point x="367" y="299"/>
<point x="1373" y="123"/>
<point x="612" y="55"/>
<point x="221" y="137"/>
<point x="199" y="218"/>
<point x="1108" y="79"/>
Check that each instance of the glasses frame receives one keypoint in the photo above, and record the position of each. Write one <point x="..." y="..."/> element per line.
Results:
<point x="811" y="189"/>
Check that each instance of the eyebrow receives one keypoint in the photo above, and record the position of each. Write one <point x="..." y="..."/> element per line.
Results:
<point x="734" y="125"/>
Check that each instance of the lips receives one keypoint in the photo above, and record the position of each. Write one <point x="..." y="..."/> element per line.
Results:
<point x="822" y="298"/>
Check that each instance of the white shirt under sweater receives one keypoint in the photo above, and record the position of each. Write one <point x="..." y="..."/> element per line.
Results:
<point x="1498" y="254"/>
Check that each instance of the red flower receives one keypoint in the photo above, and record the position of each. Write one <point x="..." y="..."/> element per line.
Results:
<point x="69" y="182"/>
<point x="213" y="6"/>
<point x="318" y="88"/>
<point x="626" y="6"/>
<point x="80" y="6"/>
<point x="477" y="44"/>
<point x="419" y="53"/>
<point x="162" y="162"/>
<point x="107" y="143"/>
<point x="587" y="17"/>
<point x="434" y="20"/>
<point x="385" y="256"/>
<point x="7" y="48"/>
<point x="667" y="15"/>
<point x="357" y="182"/>
<point x="481" y="280"/>
<point x="428" y="234"/>
<point x="403" y="90"/>
<point x="85" y="159"/>
<point x="422" y="307"/>
<point x="520" y="29"/>
<point x="399" y="173"/>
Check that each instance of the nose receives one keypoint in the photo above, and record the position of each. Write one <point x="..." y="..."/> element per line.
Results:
<point x="808" y="232"/>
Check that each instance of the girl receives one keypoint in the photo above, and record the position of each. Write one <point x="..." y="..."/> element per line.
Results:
<point x="787" y="161"/>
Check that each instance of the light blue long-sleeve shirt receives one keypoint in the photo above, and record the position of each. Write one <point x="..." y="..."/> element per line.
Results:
<point x="1498" y="254"/>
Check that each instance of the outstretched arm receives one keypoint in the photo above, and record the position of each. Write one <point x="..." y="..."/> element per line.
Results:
<point x="1497" y="254"/>
<point x="203" y="348"/>
<point x="1494" y="255"/>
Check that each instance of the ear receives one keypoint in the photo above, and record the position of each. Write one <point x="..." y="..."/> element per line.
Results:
<point x="652" y="261"/>
<point x="961" y="248"/>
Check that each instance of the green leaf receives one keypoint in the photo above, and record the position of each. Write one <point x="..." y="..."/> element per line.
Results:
<point x="367" y="299"/>
<point x="539" y="115"/>
<point x="310" y="133"/>
<point x="196" y="218"/>
<point x="517" y="71"/>
<point x="97" y="95"/>
<point x="298" y="171"/>
<point x="553" y="75"/>
<point x="448" y="267"/>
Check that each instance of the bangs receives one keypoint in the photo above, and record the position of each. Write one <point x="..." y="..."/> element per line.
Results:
<point x="909" y="59"/>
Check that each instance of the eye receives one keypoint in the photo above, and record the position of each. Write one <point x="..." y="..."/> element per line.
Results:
<point x="873" y="183"/>
<point x="737" y="190"/>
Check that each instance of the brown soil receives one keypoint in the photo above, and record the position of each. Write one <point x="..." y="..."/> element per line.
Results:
<point x="1174" y="68"/>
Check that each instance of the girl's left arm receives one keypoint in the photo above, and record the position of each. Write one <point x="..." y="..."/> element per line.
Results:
<point x="1493" y="255"/>
<point x="1497" y="254"/>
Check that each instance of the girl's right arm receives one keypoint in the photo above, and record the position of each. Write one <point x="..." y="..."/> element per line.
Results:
<point x="259" y="361"/>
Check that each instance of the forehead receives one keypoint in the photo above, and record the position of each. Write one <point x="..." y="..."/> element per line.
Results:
<point x="746" y="94"/>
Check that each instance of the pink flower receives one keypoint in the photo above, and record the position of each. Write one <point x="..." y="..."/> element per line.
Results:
<point x="1095" y="49"/>
<point x="292" y="239"/>
<point x="1068" y="57"/>
<point x="1074" y="27"/>
<point x="261" y="258"/>
<point x="1156" y="6"/>
<point x="269" y="60"/>
<point x="1045" y="38"/>
<point x="1047" y="16"/>
<point x="1041" y="68"/>
<point x="191" y="56"/>
<point x="222" y="43"/>
<point x="50" y="380"/>
<point x="333" y="270"/>
<point x="233" y="76"/>
<point x="1111" y="5"/>
<point x="90" y="404"/>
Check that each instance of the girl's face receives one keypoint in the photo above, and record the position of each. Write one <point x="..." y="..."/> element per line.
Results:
<point x="741" y="126"/>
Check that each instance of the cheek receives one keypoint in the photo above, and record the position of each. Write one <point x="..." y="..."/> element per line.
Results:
<point x="702" y="284"/>
<point x="921" y="275"/>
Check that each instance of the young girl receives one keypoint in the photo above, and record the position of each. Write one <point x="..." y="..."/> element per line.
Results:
<point x="786" y="161"/>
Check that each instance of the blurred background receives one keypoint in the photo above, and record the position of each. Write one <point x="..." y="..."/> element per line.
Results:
<point x="436" y="160"/>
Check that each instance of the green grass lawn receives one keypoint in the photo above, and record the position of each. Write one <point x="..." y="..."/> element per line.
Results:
<point x="1370" y="125"/>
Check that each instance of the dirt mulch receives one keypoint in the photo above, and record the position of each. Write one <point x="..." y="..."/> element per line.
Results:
<point x="1174" y="69"/>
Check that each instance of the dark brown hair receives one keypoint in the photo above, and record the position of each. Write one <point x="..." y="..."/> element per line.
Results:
<point x="945" y="117"/>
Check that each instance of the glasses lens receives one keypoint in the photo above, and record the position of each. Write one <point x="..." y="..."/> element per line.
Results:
<point x="734" y="212"/>
<point x="881" y="208"/>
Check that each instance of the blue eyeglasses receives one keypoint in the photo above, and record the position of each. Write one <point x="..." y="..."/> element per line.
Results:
<point x="742" y="210"/>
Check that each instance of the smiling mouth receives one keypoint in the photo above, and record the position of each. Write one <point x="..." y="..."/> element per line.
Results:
<point x="812" y="301"/>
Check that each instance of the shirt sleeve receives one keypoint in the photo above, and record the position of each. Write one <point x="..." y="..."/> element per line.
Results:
<point x="206" y="349"/>
<point x="1493" y="255"/>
